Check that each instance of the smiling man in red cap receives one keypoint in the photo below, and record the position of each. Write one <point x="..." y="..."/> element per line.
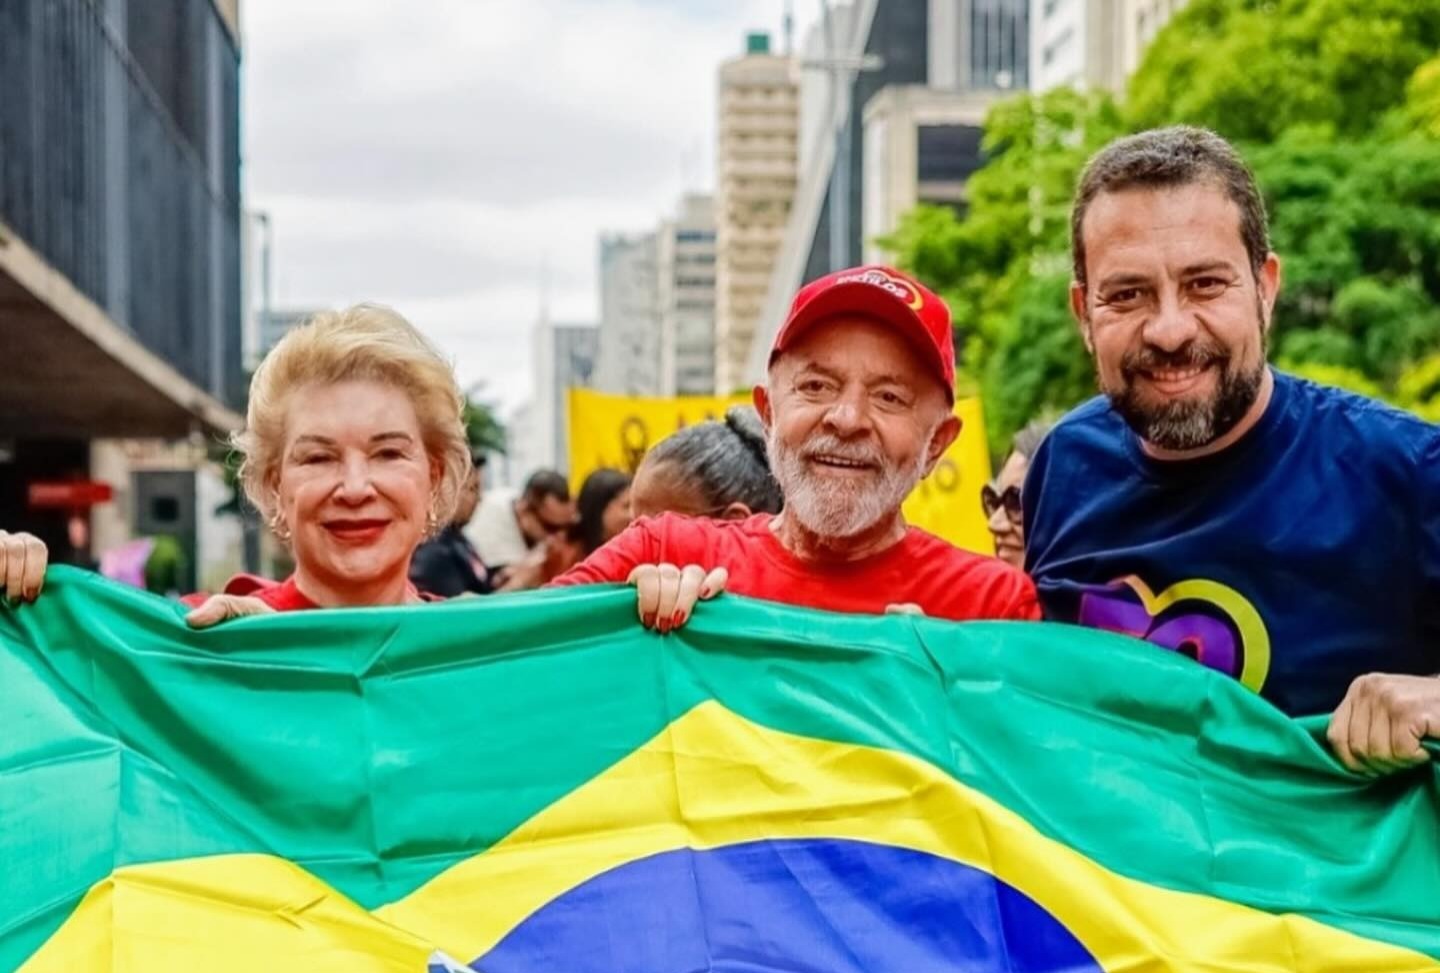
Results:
<point x="858" y="407"/>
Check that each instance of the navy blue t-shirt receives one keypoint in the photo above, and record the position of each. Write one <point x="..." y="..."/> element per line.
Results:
<point x="1303" y="556"/>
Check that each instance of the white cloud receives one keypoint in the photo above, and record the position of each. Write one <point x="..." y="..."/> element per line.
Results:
<point x="431" y="155"/>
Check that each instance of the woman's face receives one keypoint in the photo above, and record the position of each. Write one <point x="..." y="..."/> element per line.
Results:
<point x="616" y="516"/>
<point x="657" y="490"/>
<point x="1009" y="530"/>
<point x="661" y="488"/>
<point x="355" y="485"/>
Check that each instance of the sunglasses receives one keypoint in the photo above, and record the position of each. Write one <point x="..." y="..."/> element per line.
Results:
<point x="1010" y="500"/>
<point x="553" y="527"/>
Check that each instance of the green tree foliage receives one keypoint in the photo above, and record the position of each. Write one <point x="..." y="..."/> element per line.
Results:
<point x="1336" y="105"/>
<point x="1251" y="69"/>
<point x="1004" y="267"/>
<point x="482" y="427"/>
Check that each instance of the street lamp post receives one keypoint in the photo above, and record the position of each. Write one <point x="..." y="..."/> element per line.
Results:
<point x="840" y="67"/>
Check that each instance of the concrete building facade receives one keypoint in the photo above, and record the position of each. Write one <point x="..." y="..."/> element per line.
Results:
<point x="564" y="357"/>
<point x="1140" y="21"/>
<point x="979" y="45"/>
<point x="756" y="177"/>
<point x="929" y="68"/>
<point x="628" y="354"/>
<point x="1093" y="43"/>
<point x="119" y="244"/>
<point x="686" y="258"/>
<point x="921" y="146"/>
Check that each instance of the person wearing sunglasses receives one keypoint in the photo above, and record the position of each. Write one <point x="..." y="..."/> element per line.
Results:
<point x="1000" y="498"/>
<point x="516" y="535"/>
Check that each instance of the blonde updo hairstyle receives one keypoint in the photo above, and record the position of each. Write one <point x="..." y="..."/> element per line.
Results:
<point x="366" y="343"/>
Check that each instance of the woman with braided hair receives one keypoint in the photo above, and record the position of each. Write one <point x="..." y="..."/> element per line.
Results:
<point x="711" y="469"/>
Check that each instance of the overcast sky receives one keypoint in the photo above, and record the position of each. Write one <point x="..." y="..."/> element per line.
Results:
<point x="432" y="154"/>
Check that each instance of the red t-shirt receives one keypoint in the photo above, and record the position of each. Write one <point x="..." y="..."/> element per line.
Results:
<point x="283" y="596"/>
<point x="943" y="580"/>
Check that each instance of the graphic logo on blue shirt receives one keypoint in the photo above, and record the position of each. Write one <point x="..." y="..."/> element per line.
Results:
<point x="1211" y="623"/>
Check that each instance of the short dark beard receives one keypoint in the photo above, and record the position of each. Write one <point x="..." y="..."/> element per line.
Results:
<point x="1189" y="424"/>
<point x="1186" y="425"/>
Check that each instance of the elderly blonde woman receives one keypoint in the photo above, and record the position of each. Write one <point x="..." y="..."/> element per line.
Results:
<point x="355" y="452"/>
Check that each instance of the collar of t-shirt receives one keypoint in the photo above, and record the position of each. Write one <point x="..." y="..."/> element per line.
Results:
<point x="760" y="526"/>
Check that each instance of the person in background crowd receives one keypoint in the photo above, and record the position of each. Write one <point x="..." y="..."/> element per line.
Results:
<point x="1281" y="532"/>
<point x="710" y="469"/>
<point x="1001" y="498"/>
<point x="353" y="450"/>
<point x="447" y="564"/>
<point x="857" y="407"/>
<point x="512" y="534"/>
<point x="604" y="507"/>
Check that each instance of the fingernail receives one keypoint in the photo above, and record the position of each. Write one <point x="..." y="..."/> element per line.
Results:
<point x="678" y="620"/>
<point x="648" y="619"/>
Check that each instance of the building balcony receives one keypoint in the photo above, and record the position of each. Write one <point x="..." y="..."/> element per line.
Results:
<point x="775" y="166"/>
<point x="119" y="219"/>
<point x="733" y="126"/>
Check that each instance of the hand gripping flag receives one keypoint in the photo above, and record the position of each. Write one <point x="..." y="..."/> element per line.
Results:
<point x="536" y="783"/>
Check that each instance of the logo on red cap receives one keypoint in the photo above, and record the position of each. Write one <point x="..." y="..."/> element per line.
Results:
<point x="881" y="293"/>
<point x="897" y="286"/>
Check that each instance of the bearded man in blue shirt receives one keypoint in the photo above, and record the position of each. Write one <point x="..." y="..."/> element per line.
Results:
<point x="1284" y="533"/>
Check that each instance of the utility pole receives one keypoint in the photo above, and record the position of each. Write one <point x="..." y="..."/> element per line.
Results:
<point x="841" y="66"/>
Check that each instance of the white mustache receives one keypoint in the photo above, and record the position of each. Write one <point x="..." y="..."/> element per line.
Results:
<point x="827" y="445"/>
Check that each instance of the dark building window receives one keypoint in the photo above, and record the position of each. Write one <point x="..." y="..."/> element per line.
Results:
<point x="120" y="166"/>
<point x="948" y="153"/>
<point x="1000" y="44"/>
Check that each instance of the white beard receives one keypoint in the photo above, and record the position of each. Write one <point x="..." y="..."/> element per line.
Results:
<point x="834" y="506"/>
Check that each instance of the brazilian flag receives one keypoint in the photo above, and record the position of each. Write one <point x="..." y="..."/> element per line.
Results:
<point x="536" y="783"/>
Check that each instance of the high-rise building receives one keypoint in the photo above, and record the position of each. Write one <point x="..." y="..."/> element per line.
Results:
<point x="824" y="40"/>
<point x="979" y="45"/>
<point x="921" y="146"/>
<point x="1140" y="21"/>
<point x="272" y="325"/>
<point x="1092" y="43"/>
<point x="119" y="253"/>
<point x="755" y="175"/>
<point x="563" y="358"/>
<point x="914" y="79"/>
<point x="628" y="356"/>
<point x="686" y="256"/>
<point x="1075" y="43"/>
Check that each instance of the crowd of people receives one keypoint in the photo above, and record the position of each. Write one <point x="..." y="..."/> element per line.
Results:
<point x="1282" y="533"/>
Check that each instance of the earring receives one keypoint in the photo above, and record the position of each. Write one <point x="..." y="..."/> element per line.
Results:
<point x="278" y="527"/>
<point x="432" y="523"/>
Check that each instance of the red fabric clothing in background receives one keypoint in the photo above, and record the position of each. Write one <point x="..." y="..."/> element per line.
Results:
<point x="921" y="569"/>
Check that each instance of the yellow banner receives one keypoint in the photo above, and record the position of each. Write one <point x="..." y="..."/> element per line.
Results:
<point x="947" y="502"/>
<point x="617" y="430"/>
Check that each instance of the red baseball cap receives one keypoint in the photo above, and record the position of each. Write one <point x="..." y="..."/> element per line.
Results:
<point x="886" y="295"/>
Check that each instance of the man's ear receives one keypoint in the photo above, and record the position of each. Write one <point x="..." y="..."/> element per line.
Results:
<point x="1081" y="313"/>
<point x="1269" y="285"/>
<point x="760" y="395"/>
<point x="945" y="434"/>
